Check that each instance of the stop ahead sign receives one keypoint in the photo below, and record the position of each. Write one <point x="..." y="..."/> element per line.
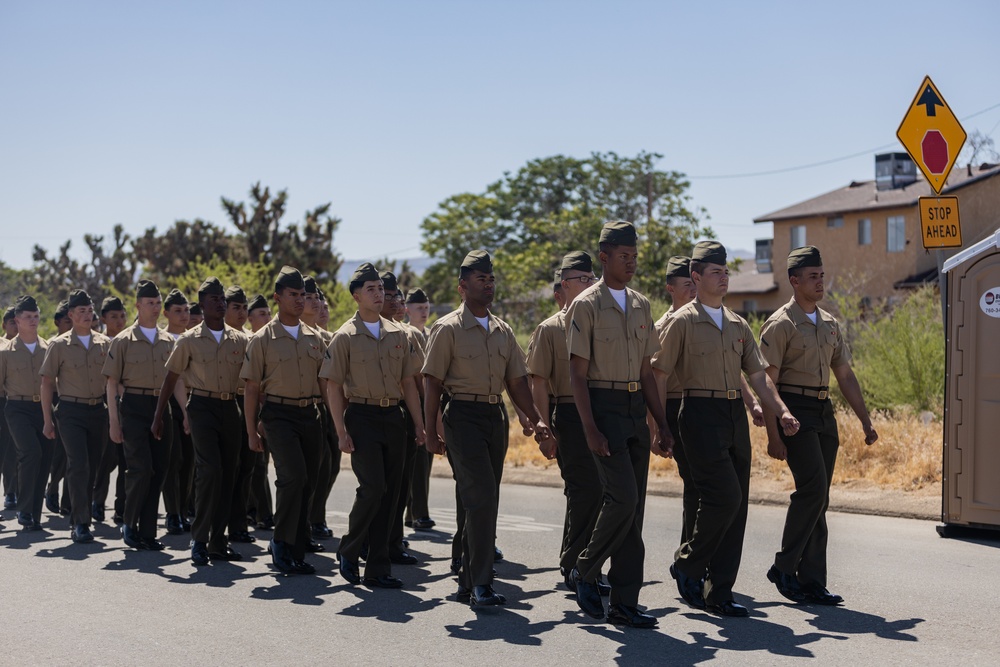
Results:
<point x="931" y="134"/>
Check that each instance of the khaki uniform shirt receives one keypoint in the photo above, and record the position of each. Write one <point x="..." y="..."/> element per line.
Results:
<point x="705" y="357"/>
<point x="77" y="369"/>
<point x="673" y="384"/>
<point x="548" y="355"/>
<point x="135" y="362"/>
<point x="803" y="352"/>
<point x="613" y="341"/>
<point x="19" y="368"/>
<point x="467" y="359"/>
<point x="283" y="366"/>
<point x="207" y="365"/>
<point x="368" y="367"/>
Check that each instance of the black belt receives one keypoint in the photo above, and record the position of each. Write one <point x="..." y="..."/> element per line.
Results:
<point x="298" y="402"/>
<point x="30" y="399"/>
<point x="84" y="401"/>
<point x="730" y="394"/>
<point x="630" y="387"/>
<point x="492" y="399"/>
<point x="671" y="395"/>
<point x="380" y="402"/>
<point x="561" y="400"/>
<point x="142" y="392"/>
<point x="219" y="395"/>
<point x="821" y="393"/>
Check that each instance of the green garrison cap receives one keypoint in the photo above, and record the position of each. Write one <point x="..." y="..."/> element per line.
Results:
<point x="235" y="294"/>
<point x="805" y="256"/>
<point x="258" y="301"/>
<point x="618" y="232"/>
<point x="710" y="252"/>
<point x="112" y="303"/>
<point x="363" y="274"/>
<point x="478" y="260"/>
<point x="25" y="303"/>
<point x="310" y="285"/>
<point x="147" y="288"/>
<point x="195" y="309"/>
<point x="289" y="277"/>
<point x="175" y="297"/>
<point x="578" y="260"/>
<point x="321" y="294"/>
<point x="62" y="310"/>
<point x="79" y="298"/>
<point x="8" y="314"/>
<point x="389" y="281"/>
<point x="678" y="266"/>
<point x="211" y="285"/>
<point x="417" y="295"/>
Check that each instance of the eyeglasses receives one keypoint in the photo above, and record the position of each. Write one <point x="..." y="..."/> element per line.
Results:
<point x="584" y="280"/>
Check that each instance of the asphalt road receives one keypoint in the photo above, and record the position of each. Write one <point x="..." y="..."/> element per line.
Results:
<point x="911" y="598"/>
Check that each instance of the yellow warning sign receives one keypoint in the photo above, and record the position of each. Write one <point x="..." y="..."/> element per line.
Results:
<point x="931" y="134"/>
<point x="939" y="223"/>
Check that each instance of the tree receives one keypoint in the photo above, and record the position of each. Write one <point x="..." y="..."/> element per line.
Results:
<point x="551" y="206"/>
<point x="980" y="147"/>
<point x="107" y="270"/>
<point x="166" y="256"/>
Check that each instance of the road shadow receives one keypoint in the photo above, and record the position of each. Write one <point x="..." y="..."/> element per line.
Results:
<point x="78" y="552"/>
<point x="391" y="606"/>
<point x="851" y="622"/>
<point x="492" y="623"/>
<point x="12" y="537"/>
<point x="638" y="647"/>
<point x="304" y="589"/>
<point x="980" y="536"/>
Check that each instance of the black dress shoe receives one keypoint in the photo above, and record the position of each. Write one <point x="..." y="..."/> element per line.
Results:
<point x="9" y="501"/>
<point x="227" y="553"/>
<point x="152" y="544"/>
<point x="456" y="565"/>
<point x="620" y="614"/>
<point x="588" y="597"/>
<point x="787" y="584"/>
<point x="52" y="502"/>
<point x="130" y="536"/>
<point x="692" y="591"/>
<point x="497" y="554"/>
<point x="25" y="518"/>
<point x="242" y="536"/>
<point x="314" y="547"/>
<point x="64" y="510"/>
<point x="266" y="524"/>
<point x="485" y="596"/>
<point x="280" y="557"/>
<point x="426" y="523"/>
<point x="97" y="512"/>
<point x="174" y="526"/>
<point x="603" y="588"/>
<point x="117" y="519"/>
<point x="199" y="553"/>
<point x="817" y="593"/>
<point x="320" y="531"/>
<point x="185" y="525"/>
<point x="383" y="581"/>
<point x="403" y="558"/>
<point x="302" y="567"/>
<point x="463" y="594"/>
<point x="729" y="608"/>
<point x="407" y="524"/>
<point x="349" y="570"/>
<point x="81" y="534"/>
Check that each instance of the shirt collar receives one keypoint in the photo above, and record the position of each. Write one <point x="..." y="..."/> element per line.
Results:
<point x="469" y="320"/>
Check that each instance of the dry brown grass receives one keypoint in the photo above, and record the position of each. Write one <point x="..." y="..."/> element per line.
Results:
<point x="906" y="457"/>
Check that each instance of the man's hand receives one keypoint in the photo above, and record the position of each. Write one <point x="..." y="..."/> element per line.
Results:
<point x="597" y="443"/>
<point x="789" y="424"/>
<point x="187" y="425"/>
<point x="345" y="442"/>
<point x="663" y="442"/>
<point x="548" y="447"/>
<point x="757" y="414"/>
<point x="116" y="432"/>
<point x="776" y="449"/>
<point x="870" y="435"/>
<point x="49" y="430"/>
<point x="434" y="443"/>
<point x="253" y="440"/>
<point x="157" y="427"/>
<point x="526" y="426"/>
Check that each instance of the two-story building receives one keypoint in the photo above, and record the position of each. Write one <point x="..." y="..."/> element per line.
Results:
<point x="869" y="233"/>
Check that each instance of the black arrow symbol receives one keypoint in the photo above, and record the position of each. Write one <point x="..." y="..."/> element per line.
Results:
<point x="930" y="100"/>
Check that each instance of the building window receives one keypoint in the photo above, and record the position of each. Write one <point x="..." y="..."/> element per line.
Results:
<point x="834" y="223"/>
<point x="864" y="231"/>
<point x="895" y="237"/>
<point x="798" y="236"/>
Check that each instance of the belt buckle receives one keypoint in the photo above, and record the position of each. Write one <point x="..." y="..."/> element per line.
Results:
<point x="823" y="395"/>
<point x="384" y="403"/>
<point x="35" y="398"/>
<point x="304" y="402"/>
<point x="92" y="401"/>
<point x="156" y="392"/>
<point x="494" y="399"/>
<point x="225" y="396"/>
<point x="633" y="387"/>
<point x="731" y="394"/>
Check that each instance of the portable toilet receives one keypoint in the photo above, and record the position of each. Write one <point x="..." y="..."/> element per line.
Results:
<point x="971" y="465"/>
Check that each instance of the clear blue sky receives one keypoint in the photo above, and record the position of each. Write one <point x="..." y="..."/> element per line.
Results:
<point x="145" y="113"/>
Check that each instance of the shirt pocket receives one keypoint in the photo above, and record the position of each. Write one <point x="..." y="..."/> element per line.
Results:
<point x="705" y="348"/>
<point x="139" y="353"/>
<point x="468" y="352"/>
<point x="606" y="337"/>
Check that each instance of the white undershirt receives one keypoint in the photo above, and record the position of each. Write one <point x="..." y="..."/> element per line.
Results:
<point x="31" y="346"/>
<point x="715" y="314"/>
<point x="619" y="295"/>
<point x="215" y="334"/>
<point x="812" y="316"/>
<point x="149" y="333"/>
<point x="85" y="340"/>
<point x="485" y="321"/>
<point x="292" y="331"/>
<point x="373" y="327"/>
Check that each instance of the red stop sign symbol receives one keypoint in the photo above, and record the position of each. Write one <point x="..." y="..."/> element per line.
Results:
<point x="934" y="150"/>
